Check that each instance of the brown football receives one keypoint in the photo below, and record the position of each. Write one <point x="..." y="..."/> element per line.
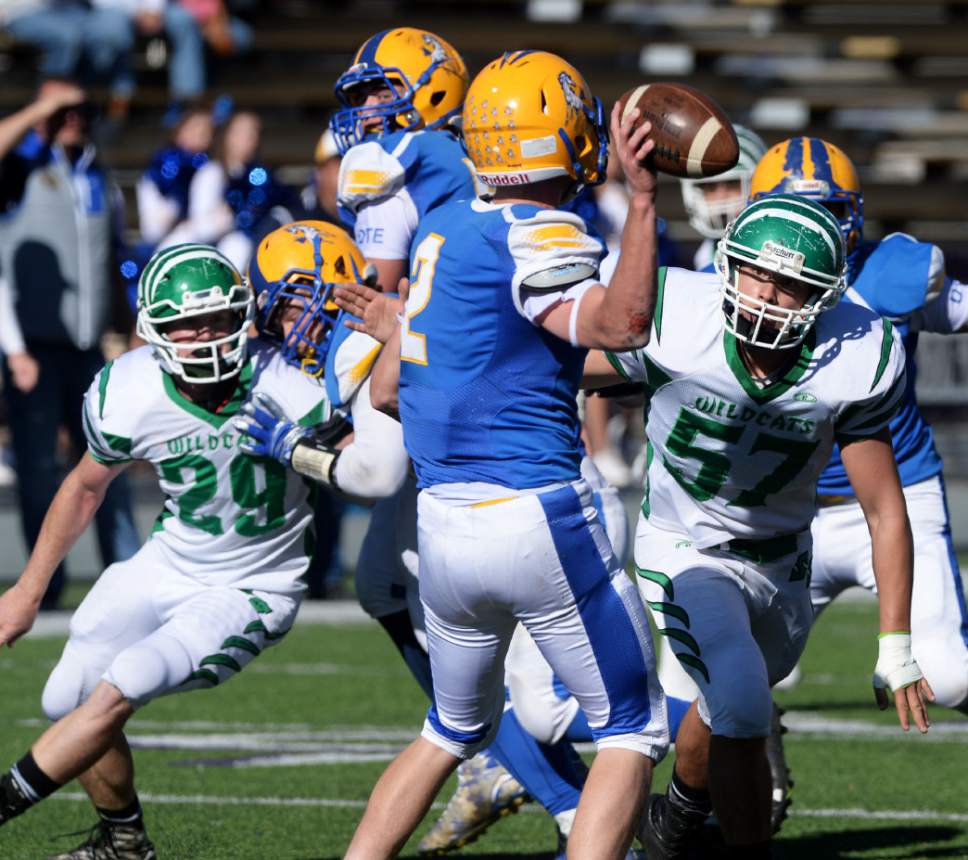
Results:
<point x="693" y="136"/>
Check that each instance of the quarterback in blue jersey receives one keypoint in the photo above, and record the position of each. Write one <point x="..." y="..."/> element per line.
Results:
<point x="904" y="281"/>
<point x="491" y="356"/>
<point x="401" y="99"/>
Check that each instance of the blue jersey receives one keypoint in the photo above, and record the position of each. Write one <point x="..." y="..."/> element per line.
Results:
<point x="485" y="394"/>
<point x="894" y="277"/>
<point x="388" y="185"/>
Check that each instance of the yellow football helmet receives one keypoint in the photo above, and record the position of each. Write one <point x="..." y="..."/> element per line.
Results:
<point x="529" y="116"/>
<point x="814" y="168"/>
<point x="428" y="76"/>
<point x="301" y="263"/>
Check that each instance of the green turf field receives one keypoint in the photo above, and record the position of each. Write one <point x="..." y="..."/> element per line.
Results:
<point x="310" y="725"/>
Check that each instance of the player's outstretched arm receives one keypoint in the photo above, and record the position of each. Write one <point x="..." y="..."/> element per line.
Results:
<point x="620" y="317"/>
<point x="69" y="514"/>
<point x="872" y="471"/>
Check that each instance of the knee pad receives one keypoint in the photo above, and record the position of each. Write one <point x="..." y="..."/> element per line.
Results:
<point x="150" y="668"/>
<point x="74" y="678"/>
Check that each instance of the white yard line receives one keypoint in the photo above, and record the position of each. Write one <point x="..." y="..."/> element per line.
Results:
<point x="335" y="803"/>
<point x="332" y="612"/>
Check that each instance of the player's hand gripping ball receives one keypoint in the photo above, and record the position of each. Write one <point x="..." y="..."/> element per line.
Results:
<point x="693" y="136"/>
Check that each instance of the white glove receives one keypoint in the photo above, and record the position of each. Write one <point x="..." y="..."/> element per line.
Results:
<point x="896" y="667"/>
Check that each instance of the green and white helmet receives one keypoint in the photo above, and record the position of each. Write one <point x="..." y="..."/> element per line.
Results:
<point x="794" y="237"/>
<point x="187" y="281"/>
<point x="710" y="217"/>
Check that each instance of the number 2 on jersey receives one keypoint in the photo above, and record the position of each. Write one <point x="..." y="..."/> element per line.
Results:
<point x="413" y="344"/>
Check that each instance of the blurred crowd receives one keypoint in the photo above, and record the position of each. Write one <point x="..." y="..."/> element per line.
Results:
<point x="93" y="41"/>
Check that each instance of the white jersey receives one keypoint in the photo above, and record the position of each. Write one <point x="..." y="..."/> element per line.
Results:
<point x="731" y="459"/>
<point x="228" y="518"/>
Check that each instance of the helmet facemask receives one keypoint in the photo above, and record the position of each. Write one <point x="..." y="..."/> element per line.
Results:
<point x="794" y="240"/>
<point x="306" y="291"/>
<point x="353" y="123"/>
<point x="184" y="283"/>
<point x="203" y="362"/>
<point x="710" y="218"/>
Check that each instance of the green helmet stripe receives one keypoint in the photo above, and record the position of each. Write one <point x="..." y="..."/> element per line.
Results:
<point x="158" y="267"/>
<point x="832" y="240"/>
<point x="149" y="271"/>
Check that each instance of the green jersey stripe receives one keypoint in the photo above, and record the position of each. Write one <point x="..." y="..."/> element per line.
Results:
<point x="659" y="301"/>
<point x="102" y="387"/>
<point x="614" y="361"/>
<point x="886" y="345"/>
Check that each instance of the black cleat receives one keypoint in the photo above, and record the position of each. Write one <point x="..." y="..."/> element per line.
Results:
<point x="13" y="801"/>
<point x="779" y="772"/>
<point x="108" y="841"/>
<point x="667" y="830"/>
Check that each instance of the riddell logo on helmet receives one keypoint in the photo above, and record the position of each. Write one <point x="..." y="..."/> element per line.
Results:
<point x="505" y="178"/>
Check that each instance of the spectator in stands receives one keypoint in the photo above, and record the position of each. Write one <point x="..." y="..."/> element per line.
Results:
<point x="235" y="199"/>
<point x="162" y="191"/>
<point x="56" y="235"/>
<point x="189" y="24"/>
<point x="318" y="198"/>
<point x="69" y="31"/>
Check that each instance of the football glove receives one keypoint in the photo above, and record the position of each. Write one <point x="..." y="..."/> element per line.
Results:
<point x="269" y="432"/>
<point x="896" y="667"/>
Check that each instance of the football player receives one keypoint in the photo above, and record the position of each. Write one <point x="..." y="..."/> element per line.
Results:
<point x="487" y="396"/>
<point x="753" y="373"/>
<point x="401" y="101"/>
<point x="218" y="581"/>
<point x="903" y="280"/>
<point x="293" y="272"/>
<point x="713" y="202"/>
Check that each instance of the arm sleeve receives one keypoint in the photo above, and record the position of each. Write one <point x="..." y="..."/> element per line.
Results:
<point x="555" y="260"/>
<point x="385" y="229"/>
<point x="374" y="464"/>
<point x="108" y="448"/>
<point x="945" y="314"/>
<point x="875" y="408"/>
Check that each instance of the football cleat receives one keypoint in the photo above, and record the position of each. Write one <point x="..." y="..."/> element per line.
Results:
<point x="779" y="772"/>
<point x="667" y="830"/>
<point x="485" y="793"/>
<point x="109" y="841"/>
<point x="13" y="801"/>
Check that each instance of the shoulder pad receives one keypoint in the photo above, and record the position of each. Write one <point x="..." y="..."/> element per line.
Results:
<point x="900" y="274"/>
<point x="368" y="173"/>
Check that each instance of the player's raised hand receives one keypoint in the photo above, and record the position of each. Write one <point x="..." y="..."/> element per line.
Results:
<point x="18" y="611"/>
<point x="378" y="311"/>
<point x="898" y="671"/>
<point x="632" y="147"/>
